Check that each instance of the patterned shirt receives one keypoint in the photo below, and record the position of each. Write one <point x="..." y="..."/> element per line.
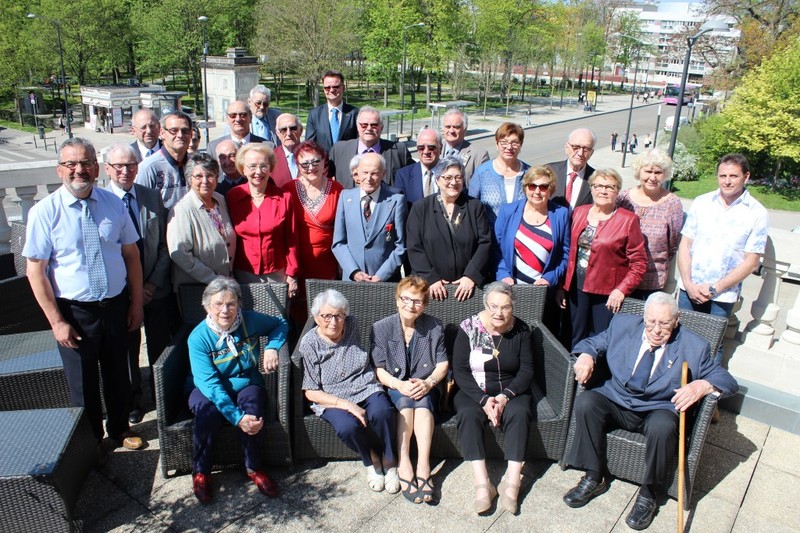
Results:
<point x="532" y="248"/>
<point x="721" y="235"/>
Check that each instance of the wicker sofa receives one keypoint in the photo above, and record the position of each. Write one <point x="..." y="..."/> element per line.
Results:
<point x="553" y="374"/>
<point x="20" y="312"/>
<point x="175" y="422"/>
<point x="625" y="450"/>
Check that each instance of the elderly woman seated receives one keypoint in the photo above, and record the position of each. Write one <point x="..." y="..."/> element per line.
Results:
<point x="341" y="384"/>
<point x="410" y="359"/>
<point x="493" y="368"/>
<point x="223" y="354"/>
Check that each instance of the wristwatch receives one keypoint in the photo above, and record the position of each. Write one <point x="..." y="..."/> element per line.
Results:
<point x="712" y="291"/>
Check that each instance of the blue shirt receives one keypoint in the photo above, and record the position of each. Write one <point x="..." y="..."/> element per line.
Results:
<point x="260" y="128"/>
<point x="54" y="235"/>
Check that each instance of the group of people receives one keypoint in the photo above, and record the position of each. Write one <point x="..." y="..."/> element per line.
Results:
<point x="345" y="203"/>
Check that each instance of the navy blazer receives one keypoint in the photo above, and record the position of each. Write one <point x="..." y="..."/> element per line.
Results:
<point x="373" y="250"/>
<point x="395" y="155"/>
<point x="388" y="347"/>
<point x="211" y="149"/>
<point x="505" y="230"/>
<point x="621" y="343"/>
<point x="560" y="169"/>
<point x="318" y="125"/>
<point x="408" y="181"/>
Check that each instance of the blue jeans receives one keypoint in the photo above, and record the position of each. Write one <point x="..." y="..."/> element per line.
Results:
<point x="711" y="307"/>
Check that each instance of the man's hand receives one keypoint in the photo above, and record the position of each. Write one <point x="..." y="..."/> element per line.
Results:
<point x="361" y="276"/>
<point x="148" y="290"/>
<point x="270" y="360"/>
<point x="66" y="335"/>
<point x="135" y="316"/>
<point x="584" y="367"/>
<point x="691" y="393"/>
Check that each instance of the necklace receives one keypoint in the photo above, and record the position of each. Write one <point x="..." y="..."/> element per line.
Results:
<point x="496" y="347"/>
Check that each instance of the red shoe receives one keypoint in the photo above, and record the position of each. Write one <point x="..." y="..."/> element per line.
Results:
<point x="201" y="484"/>
<point x="265" y="485"/>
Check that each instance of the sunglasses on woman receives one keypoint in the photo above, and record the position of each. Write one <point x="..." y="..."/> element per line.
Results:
<point x="543" y="187"/>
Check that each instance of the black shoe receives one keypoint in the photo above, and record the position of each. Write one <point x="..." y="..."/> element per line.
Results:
<point x="641" y="516"/>
<point x="136" y="416"/>
<point x="584" y="491"/>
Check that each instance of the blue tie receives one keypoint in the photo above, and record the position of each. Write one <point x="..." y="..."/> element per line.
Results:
<point x="149" y="153"/>
<point x="292" y="164"/>
<point x="335" y="124"/>
<point x="641" y="375"/>
<point x="98" y="282"/>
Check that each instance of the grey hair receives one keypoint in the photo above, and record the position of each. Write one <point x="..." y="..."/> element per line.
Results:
<point x="587" y="130"/>
<point x="79" y="142"/>
<point x="653" y="158"/>
<point x="457" y="111"/>
<point x="448" y="162"/>
<point x="202" y="160"/>
<point x="261" y="89"/>
<point x="427" y="129"/>
<point x="369" y="109"/>
<point x="499" y="287"/>
<point x="177" y="114"/>
<point x="221" y="284"/>
<point x="662" y="298"/>
<point x="608" y="173"/>
<point x="354" y="162"/>
<point x="123" y="148"/>
<point x="330" y="297"/>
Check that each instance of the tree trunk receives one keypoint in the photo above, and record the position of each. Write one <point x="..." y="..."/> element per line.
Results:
<point x="777" y="173"/>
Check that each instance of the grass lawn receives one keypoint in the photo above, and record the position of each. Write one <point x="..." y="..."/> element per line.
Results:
<point x="16" y="126"/>
<point x="783" y="199"/>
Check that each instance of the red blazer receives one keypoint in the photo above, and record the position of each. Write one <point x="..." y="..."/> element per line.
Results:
<point x="281" y="175"/>
<point x="618" y="259"/>
<point x="266" y="236"/>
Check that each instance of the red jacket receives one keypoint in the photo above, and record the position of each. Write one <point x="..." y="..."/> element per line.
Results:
<point x="618" y="259"/>
<point x="266" y="237"/>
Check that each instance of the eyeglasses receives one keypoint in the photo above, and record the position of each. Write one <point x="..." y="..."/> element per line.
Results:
<point x="289" y="128"/>
<point x="329" y="88"/>
<point x="232" y="116"/>
<point x="451" y="179"/>
<point x="429" y="147"/>
<point x="502" y="308"/>
<point x="337" y="317"/>
<point x="414" y="302"/>
<point x="119" y="167"/>
<point x="543" y="187"/>
<point x="175" y="131"/>
<point x="260" y="103"/>
<point x="510" y="144"/>
<point x="651" y="325"/>
<point x="224" y="305"/>
<point x="309" y="164"/>
<point x="200" y="178"/>
<point x="580" y="148"/>
<point x="252" y="167"/>
<point x="368" y="125"/>
<point x="601" y="187"/>
<point x="74" y="164"/>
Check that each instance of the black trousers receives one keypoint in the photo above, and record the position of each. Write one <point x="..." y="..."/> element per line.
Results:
<point x="471" y="418"/>
<point x="595" y="415"/>
<point x="103" y="329"/>
<point x="160" y="320"/>
<point x="588" y="313"/>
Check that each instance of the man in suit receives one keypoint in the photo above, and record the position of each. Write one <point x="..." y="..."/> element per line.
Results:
<point x="149" y="217"/>
<point x="334" y="120"/>
<point x="572" y="174"/>
<point x="370" y="127"/>
<point x="369" y="235"/>
<point x="289" y="132"/>
<point x="645" y="356"/>
<point x="230" y="176"/>
<point x="147" y="130"/>
<point x="454" y="128"/>
<point x="418" y="180"/>
<point x="238" y="118"/>
<point x="264" y="116"/>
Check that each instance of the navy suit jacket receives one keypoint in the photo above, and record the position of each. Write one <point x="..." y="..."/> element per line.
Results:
<point x="211" y="149"/>
<point x="560" y="168"/>
<point x="367" y="249"/>
<point x="505" y="230"/>
<point x="318" y="126"/>
<point x="621" y="343"/>
<point x="408" y="180"/>
<point x="388" y="347"/>
<point x="395" y="155"/>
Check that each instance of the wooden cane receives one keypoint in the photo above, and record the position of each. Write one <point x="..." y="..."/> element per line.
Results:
<point x="682" y="449"/>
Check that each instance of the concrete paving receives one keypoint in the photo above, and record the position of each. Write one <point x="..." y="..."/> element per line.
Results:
<point x="747" y="482"/>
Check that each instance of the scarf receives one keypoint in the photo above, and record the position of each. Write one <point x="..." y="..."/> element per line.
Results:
<point x="225" y="335"/>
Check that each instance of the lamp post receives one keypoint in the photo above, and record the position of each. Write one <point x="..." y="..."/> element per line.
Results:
<point x="403" y="70"/>
<point x="203" y="19"/>
<point x="711" y="25"/>
<point x="625" y="147"/>
<point x="57" y="24"/>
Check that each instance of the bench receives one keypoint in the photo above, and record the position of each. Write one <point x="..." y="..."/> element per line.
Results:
<point x="554" y="378"/>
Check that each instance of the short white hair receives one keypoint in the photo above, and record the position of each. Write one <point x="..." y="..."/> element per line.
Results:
<point x="662" y="298"/>
<point x="260" y="89"/>
<point x="330" y="297"/>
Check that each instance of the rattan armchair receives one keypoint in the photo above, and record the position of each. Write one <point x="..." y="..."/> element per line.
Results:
<point x="553" y="374"/>
<point x="625" y="450"/>
<point x="175" y="422"/>
<point x="20" y="313"/>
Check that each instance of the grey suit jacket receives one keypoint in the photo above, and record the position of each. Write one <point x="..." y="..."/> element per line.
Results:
<point x="211" y="149"/>
<point x="560" y="168"/>
<point x="135" y="146"/>
<point x="375" y="250"/>
<point x="471" y="157"/>
<point x="395" y="154"/>
<point x="388" y="347"/>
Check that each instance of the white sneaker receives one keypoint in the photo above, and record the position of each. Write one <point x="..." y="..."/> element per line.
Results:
<point x="375" y="480"/>
<point x="392" y="481"/>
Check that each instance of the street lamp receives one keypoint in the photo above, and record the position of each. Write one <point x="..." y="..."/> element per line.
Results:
<point x="57" y="24"/>
<point x="403" y="70"/>
<point x="711" y="25"/>
<point x="203" y="19"/>
<point x="626" y="147"/>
